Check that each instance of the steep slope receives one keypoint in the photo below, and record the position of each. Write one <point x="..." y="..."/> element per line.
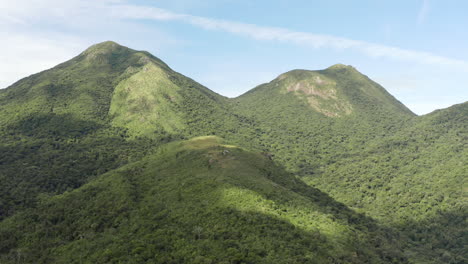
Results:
<point x="106" y="79"/>
<point x="81" y="87"/>
<point x="96" y="112"/>
<point x="197" y="201"/>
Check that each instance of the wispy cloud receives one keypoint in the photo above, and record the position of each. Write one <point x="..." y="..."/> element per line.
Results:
<point x="285" y="35"/>
<point x="26" y="19"/>
<point x="423" y="12"/>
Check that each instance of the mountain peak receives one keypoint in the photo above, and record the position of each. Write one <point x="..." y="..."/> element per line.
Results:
<point x="105" y="49"/>
<point x="340" y="66"/>
<point x="106" y="45"/>
<point x="302" y="73"/>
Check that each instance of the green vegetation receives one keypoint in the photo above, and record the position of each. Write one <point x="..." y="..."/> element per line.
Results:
<point x="101" y="160"/>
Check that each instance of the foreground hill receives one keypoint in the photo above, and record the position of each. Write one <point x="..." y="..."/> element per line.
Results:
<point x="196" y="201"/>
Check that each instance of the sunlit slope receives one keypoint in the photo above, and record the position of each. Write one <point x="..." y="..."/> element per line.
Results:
<point x="196" y="201"/>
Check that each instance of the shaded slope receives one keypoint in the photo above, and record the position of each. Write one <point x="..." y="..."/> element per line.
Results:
<point x="200" y="202"/>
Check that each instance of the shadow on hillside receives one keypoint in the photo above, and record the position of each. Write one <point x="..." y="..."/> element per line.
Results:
<point x="325" y="204"/>
<point x="54" y="153"/>
<point x="52" y="125"/>
<point x="241" y="238"/>
<point x="220" y="171"/>
<point x="130" y="231"/>
<point x="442" y="238"/>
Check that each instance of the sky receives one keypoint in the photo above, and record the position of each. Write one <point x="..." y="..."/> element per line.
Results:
<point x="416" y="49"/>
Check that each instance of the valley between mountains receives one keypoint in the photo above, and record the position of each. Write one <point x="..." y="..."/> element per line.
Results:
<point x="114" y="157"/>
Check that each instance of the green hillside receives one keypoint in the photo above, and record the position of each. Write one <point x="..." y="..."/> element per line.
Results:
<point x="337" y="91"/>
<point x="196" y="201"/>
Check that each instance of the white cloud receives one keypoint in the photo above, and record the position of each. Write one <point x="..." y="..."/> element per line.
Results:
<point x="284" y="35"/>
<point x="27" y="54"/>
<point x="423" y="12"/>
<point x="28" y="46"/>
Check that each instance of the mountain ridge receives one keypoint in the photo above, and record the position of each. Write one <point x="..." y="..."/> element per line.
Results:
<point x="109" y="45"/>
<point x="332" y="133"/>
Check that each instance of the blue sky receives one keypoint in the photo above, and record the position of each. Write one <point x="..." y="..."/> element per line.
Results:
<point x="417" y="49"/>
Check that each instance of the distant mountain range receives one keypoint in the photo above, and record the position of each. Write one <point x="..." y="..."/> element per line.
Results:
<point x="113" y="157"/>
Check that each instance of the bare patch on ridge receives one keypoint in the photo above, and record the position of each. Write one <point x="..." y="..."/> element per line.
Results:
<point x="322" y="96"/>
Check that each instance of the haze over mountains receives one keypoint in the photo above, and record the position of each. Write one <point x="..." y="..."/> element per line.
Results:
<point x="114" y="157"/>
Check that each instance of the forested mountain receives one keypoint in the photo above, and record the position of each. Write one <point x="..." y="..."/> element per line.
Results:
<point x="407" y="172"/>
<point x="103" y="158"/>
